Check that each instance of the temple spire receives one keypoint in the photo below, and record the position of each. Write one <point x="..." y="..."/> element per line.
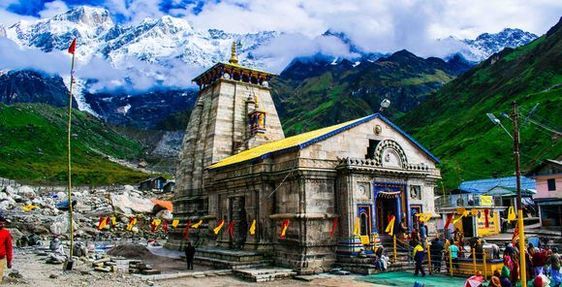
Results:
<point x="233" y="57"/>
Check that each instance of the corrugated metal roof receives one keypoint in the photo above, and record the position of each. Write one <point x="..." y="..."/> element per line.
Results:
<point x="303" y="140"/>
<point x="485" y="185"/>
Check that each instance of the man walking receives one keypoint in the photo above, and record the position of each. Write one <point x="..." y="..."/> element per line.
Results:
<point x="418" y="258"/>
<point x="189" y="254"/>
<point x="5" y="247"/>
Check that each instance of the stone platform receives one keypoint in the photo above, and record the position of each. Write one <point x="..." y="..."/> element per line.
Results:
<point x="264" y="274"/>
<point x="221" y="258"/>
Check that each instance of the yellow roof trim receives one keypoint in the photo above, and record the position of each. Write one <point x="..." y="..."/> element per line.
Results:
<point x="285" y="143"/>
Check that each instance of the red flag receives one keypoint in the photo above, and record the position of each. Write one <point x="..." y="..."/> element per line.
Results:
<point x="153" y="226"/>
<point x="72" y="47"/>
<point x="486" y="218"/>
<point x="231" y="228"/>
<point x="108" y="221"/>
<point x="515" y="235"/>
<point x="165" y="226"/>
<point x="334" y="226"/>
<point x="186" y="230"/>
<point x="449" y="219"/>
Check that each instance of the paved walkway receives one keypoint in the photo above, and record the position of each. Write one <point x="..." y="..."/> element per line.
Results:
<point x="408" y="279"/>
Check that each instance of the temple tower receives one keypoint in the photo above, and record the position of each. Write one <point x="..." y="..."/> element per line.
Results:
<point x="233" y="112"/>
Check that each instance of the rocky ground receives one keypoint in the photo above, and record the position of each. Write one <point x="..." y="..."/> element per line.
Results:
<point x="35" y="272"/>
<point x="41" y="212"/>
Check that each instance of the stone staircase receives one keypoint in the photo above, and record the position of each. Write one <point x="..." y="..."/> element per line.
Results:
<point x="230" y="259"/>
<point x="356" y="264"/>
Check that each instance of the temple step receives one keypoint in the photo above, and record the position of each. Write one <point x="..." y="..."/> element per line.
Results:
<point x="230" y="259"/>
<point x="264" y="274"/>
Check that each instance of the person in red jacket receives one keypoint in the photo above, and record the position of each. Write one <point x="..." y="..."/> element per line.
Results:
<point x="5" y="247"/>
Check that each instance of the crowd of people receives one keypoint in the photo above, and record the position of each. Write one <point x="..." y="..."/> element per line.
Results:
<point x="542" y="262"/>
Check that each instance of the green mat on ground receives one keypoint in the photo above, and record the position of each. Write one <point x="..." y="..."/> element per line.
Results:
<point x="407" y="279"/>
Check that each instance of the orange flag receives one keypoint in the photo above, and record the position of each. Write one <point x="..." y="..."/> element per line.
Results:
<point x="219" y="226"/>
<point x="102" y="223"/>
<point x="284" y="227"/>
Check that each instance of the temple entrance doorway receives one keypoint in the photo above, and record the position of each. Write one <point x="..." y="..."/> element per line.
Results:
<point x="237" y="215"/>
<point x="387" y="206"/>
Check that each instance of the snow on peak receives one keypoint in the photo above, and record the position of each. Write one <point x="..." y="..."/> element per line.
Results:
<point x="93" y="16"/>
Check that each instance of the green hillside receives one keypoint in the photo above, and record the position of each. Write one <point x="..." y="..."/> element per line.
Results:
<point x="316" y="93"/>
<point x="453" y="124"/>
<point x="33" y="147"/>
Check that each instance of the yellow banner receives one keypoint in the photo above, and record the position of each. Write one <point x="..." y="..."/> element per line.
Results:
<point x="364" y="239"/>
<point x="175" y="223"/>
<point x="390" y="228"/>
<point x="219" y="227"/>
<point x="486" y="200"/>
<point x="356" y="227"/>
<point x="511" y="214"/>
<point x="196" y="225"/>
<point x="253" y="228"/>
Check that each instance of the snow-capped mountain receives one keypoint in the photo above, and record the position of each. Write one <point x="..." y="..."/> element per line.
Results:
<point x="171" y="46"/>
<point x="486" y="44"/>
<point x="152" y="40"/>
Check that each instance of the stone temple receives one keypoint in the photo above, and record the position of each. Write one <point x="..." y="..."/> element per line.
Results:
<point x="335" y="186"/>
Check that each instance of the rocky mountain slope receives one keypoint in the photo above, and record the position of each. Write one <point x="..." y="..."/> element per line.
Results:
<point x="453" y="124"/>
<point x="32" y="87"/>
<point x="33" y="147"/>
<point x="316" y="92"/>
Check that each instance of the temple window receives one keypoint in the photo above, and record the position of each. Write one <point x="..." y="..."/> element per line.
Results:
<point x="256" y="121"/>
<point x="371" y="149"/>
<point x="364" y="224"/>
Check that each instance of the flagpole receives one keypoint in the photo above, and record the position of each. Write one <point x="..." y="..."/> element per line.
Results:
<point x="70" y="216"/>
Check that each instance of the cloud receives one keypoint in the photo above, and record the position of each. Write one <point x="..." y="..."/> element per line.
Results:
<point x="382" y="25"/>
<point x="14" y="57"/>
<point x="377" y="26"/>
<point x="53" y="8"/>
<point x="136" y="76"/>
<point x="278" y="53"/>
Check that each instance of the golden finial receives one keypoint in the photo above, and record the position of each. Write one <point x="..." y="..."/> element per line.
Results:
<point x="233" y="57"/>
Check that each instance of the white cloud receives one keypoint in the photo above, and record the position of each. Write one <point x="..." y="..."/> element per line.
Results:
<point x="53" y="8"/>
<point x="14" y="57"/>
<point x="280" y="51"/>
<point x="382" y="25"/>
